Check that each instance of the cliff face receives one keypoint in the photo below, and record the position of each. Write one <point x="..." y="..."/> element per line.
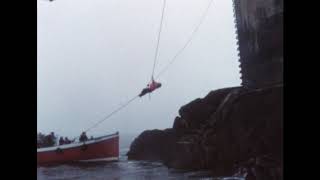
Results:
<point x="232" y="130"/>
<point x="259" y="25"/>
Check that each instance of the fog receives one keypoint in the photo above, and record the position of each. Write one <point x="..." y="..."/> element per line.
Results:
<point x="94" y="55"/>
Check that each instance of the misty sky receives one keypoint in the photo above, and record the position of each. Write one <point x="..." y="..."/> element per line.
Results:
<point x="94" y="55"/>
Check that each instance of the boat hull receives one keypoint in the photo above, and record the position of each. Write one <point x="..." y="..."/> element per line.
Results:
<point x="102" y="149"/>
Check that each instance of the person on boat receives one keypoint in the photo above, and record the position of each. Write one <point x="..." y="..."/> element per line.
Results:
<point x="50" y="140"/>
<point x="66" y="140"/>
<point x="40" y="140"/>
<point x="39" y="144"/>
<point x="83" y="137"/>
<point x="150" y="87"/>
<point x="61" y="141"/>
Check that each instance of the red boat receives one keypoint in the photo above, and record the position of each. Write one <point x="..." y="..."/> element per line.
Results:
<point x="105" y="148"/>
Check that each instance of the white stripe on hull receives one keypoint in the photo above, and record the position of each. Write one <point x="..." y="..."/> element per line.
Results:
<point x="100" y="159"/>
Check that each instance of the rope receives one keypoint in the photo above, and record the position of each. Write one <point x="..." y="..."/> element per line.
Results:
<point x="110" y="114"/>
<point x="188" y="41"/>
<point x="154" y="64"/>
<point x="158" y="41"/>
<point x="156" y="55"/>
<point x="155" y="59"/>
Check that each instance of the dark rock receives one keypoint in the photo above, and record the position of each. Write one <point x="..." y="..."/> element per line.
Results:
<point x="214" y="98"/>
<point x="179" y="124"/>
<point x="260" y="168"/>
<point x="196" y="112"/>
<point x="152" y="145"/>
<point x="245" y="125"/>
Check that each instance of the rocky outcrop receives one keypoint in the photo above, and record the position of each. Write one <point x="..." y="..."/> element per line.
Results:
<point x="229" y="131"/>
<point x="153" y="145"/>
<point x="234" y="130"/>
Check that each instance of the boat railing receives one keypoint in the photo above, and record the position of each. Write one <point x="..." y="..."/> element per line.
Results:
<point x="76" y="141"/>
<point x="101" y="137"/>
<point x="97" y="138"/>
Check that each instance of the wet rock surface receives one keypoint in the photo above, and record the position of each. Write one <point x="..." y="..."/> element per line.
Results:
<point x="229" y="131"/>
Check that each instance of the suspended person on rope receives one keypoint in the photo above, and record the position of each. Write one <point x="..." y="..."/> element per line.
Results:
<point x="150" y="87"/>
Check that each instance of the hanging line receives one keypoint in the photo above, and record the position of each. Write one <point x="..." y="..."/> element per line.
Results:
<point x="158" y="41"/>
<point x="156" y="54"/>
<point x="110" y="114"/>
<point x="188" y="41"/>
